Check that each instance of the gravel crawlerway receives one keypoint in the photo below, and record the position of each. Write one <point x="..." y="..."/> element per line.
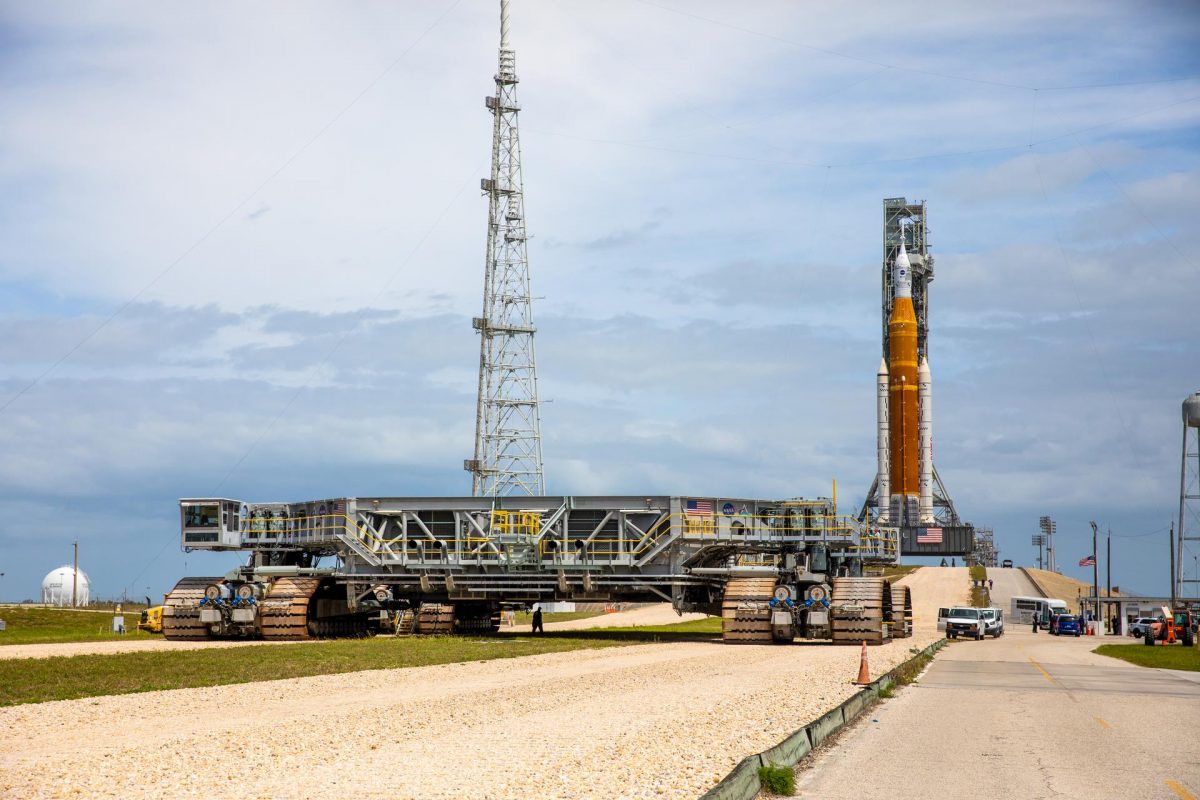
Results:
<point x="647" y="721"/>
<point x="108" y="648"/>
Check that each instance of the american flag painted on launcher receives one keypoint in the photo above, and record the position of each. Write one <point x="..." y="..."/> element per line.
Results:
<point x="339" y="507"/>
<point x="929" y="536"/>
<point x="699" y="507"/>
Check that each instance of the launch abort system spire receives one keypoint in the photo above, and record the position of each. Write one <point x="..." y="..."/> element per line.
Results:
<point x="508" y="440"/>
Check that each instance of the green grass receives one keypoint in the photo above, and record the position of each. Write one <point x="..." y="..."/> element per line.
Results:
<point x="979" y="597"/>
<point x="778" y="780"/>
<point x="66" y="678"/>
<point x="47" y="625"/>
<point x="979" y="573"/>
<point x="907" y="673"/>
<point x="900" y="570"/>
<point x="1162" y="657"/>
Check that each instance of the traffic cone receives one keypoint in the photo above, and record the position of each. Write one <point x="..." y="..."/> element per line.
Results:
<point x="864" y="672"/>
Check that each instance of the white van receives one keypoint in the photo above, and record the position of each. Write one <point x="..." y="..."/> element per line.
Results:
<point x="993" y="621"/>
<point x="943" y="613"/>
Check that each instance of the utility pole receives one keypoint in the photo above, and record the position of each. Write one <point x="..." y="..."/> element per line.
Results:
<point x="1108" y="568"/>
<point x="75" y="576"/>
<point x="1172" y="566"/>
<point x="1095" y="572"/>
<point x="508" y="437"/>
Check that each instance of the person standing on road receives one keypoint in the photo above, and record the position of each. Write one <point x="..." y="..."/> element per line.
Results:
<point x="537" y="620"/>
<point x="989" y="584"/>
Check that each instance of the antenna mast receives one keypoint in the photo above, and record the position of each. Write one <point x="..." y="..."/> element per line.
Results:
<point x="508" y="439"/>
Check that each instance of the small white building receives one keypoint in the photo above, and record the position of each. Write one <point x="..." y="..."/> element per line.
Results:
<point x="62" y="584"/>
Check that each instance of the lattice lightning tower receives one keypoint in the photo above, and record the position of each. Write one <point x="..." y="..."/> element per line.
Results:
<point x="508" y="439"/>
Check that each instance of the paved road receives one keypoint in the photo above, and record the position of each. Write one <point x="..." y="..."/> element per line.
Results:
<point x="1024" y="716"/>
<point x="1009" y="583"/>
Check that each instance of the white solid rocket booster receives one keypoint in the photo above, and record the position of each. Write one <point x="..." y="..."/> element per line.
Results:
<point x="881" y="411"/>
<point x="925" y="438"/>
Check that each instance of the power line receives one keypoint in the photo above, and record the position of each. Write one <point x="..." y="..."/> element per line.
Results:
<point x="221" y="222"/>
<point x="838" y="54"/>
<point x="867" y="162"/>
<point x="264" y="431"/>
<point x="912" y="70"/>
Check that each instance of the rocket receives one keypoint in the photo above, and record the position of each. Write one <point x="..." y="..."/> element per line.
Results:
<point x="904" y="407"/>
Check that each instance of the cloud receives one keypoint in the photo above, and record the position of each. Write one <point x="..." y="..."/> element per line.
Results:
<point x="256" y="237"/>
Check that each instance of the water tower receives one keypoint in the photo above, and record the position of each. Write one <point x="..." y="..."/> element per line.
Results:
<point x="1187" y="556"/>
<point x="66" y="587"/>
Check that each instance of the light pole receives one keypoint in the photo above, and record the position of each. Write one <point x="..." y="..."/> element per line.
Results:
<point x="1095" y="573"/>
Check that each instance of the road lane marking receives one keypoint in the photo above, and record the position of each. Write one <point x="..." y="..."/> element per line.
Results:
<point x="1183" y="793"/>
<point x="1104" y="724"/>
<point x="1042" y="670"/>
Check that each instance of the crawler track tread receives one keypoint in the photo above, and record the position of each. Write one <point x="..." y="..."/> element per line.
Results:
<point x="284" y="611"/>
<point x="435" y="619"/>
<point x="860" y="608"/>
<point x="745" y="613"/>
<point x="902" y="612"/>
<point x="181" y="610"/>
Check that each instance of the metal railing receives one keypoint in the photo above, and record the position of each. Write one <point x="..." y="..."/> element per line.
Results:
<point x="478" y="538"/>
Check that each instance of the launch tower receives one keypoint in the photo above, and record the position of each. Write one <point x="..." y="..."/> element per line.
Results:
<point x="907" y="492"/>
<point x="508" y="439"/>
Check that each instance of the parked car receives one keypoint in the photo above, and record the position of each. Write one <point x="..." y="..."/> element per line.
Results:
<point x="943" y="613"/>
<point x="1141" y="626"/>
<point x="1066" y="625"/>
<point x="963" y="621"/>
<point x="1006" y="563"/>
<point x="993" y="621"/>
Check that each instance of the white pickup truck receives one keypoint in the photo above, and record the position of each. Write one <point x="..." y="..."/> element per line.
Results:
<point x="964" y="621"/>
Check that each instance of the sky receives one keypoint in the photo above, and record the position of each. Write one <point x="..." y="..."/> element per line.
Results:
<point x="241" y="246"/>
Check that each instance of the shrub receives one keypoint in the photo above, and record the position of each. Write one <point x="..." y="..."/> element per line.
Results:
<point x="778" y="780"/>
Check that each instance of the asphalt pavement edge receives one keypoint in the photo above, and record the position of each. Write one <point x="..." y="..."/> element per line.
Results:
<point x="742" y="782"/>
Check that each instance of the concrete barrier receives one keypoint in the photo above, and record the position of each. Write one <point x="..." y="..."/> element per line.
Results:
<point x="743" y="784"/>
<point x="789" y="751"/>
<point x="826" y="726"/>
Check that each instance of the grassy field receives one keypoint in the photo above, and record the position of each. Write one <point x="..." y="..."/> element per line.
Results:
<point x="979" y="573"/>
<point x="43" y="679"/>
<point x="900" y="570"/>
<point x="46" y="625"/>
<point x="1170" y="657"/>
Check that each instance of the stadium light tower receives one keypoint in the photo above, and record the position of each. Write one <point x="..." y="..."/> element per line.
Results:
<point x="508" y="439"/>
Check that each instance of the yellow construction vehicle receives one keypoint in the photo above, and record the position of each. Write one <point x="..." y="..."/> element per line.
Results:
<point x="151" y="620"/>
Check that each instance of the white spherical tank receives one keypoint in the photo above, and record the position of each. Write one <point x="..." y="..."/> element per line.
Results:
<point x="61" y="585"/>
<point x="1191" y="411"/>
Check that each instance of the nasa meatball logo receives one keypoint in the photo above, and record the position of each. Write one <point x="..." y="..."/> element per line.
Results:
<point x="727" y="509"/>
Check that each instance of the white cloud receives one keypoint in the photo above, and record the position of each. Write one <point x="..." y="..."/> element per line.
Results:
<point x="711" y="289"/>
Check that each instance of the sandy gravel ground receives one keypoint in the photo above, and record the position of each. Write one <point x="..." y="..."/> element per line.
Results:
<point x="647" y="721"/>
<point x="657" y="614"/>
<point x="106" y="648"/>
<point x="933" y="587"/>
